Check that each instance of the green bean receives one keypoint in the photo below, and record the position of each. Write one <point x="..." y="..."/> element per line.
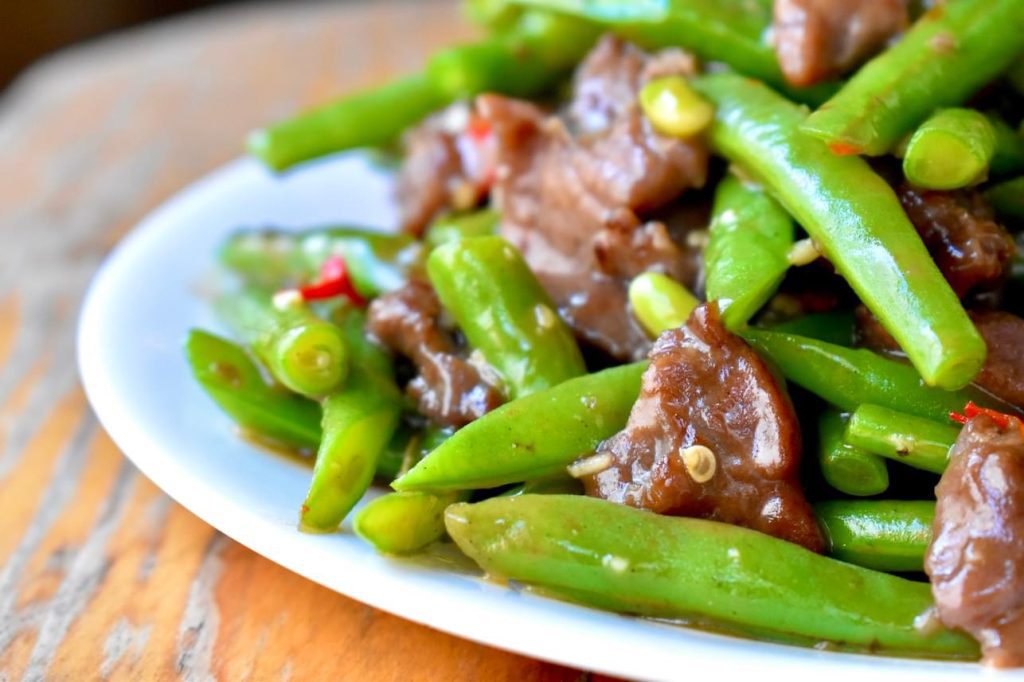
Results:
<point x="276" y="259"/>
<point x="553" y="485"/>
<point x="674" y="108"/>
<point x="358" y="423"/>
<point x="847" y="468"/>
<point x="1007" y="198"/>
<point x="1008" y="158"/>
<point x="750" y="235"/>
<point x="505" y="313"/>
<point x="615" y="557"/>
<point x="848" y="378"/>
<point x="455" y="226"/>
<point x="886" y="535"/>
<point x="914" y="441"/>
<point x="835" y="327"/>
<point x="305" y="353"/>
<point x="532" y="437"/>
<point x="404" y="523"/>
<point x="856" y="221"/>
<point x="949" y="53"/>
<point x="363" y="119"/>
<point x="729" y="31"/>
<point x="527" y="60"/>
<point x="234" y="382"/>
<point x="659" y="302"/>
<point x="951" y="149"/>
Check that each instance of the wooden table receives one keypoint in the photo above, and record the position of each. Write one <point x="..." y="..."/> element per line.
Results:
<point x="101" y="575"/>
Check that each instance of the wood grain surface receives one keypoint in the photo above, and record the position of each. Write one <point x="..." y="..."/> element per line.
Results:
<point x="101" y="575"/>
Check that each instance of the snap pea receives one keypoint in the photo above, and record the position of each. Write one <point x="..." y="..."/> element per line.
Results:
<point x="1007" y="198"/>
<point x="848" y="378"/>
<point x="615" y="557"/>
<point x="950" y="52"/>
<point x="659" y="302"/>
<point x="305" y="353"/>
<point x="847" y="468"/>
<point x="358" y="423"/>
<point x="750" y="235"/>
<point x="404" y="523"/>
<point x="454" y="226"/>
<point x="505" y="313"/>
<point x="233" y="381"/>
<point x="856" y="221"/>
<point x="951" y="149"/>
<point x="914" y="441"/>
<point x="276" y="259"/>
<point x="886" y="535"/>
<point x="532" y="437"/>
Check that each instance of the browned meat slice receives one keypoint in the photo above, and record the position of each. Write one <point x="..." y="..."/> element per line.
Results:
<point x="819" y="39"/>
<point x="1003" y="372"/>
<point x="446" y="166"/>
<point x="707" y="389"/>
<point x="572" y="204"/>
<point x="976" y="559"/>
<point x="971" y="249"/>
<point x="448" y="389"/>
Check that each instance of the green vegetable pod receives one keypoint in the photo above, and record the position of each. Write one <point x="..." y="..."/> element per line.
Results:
<point x="233" y="381"/>
<point x="404" y="523"/>
<point x="948" y="54"/>
<point x="533" y="437"/>
<point x="750" y="237"/>
<point x="358" y="423"/>
<point x="659" y="302"/>
<point x="952" y="149"/>
<point x="886" y="535"/>
<point x="505" y="313"/>
<point x="849" y="378"/>
<point x="452" y="227"/>
<point x="856" y="221"/>
<point x="615" y="557"/>
<point x="914" y="441"/>
<point x="306" y="354"/>
<point x="276" y="259"/>
<point x="847" y="468"/>
<point x="1007" y="198"/>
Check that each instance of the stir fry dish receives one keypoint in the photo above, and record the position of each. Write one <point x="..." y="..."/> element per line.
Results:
<point x="702" y="310"/>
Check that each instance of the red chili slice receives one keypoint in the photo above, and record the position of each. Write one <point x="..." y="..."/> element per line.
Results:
<point x="334" y="281"/>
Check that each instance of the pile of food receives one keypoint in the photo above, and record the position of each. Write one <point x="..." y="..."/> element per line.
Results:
<point x="699" y="309"/>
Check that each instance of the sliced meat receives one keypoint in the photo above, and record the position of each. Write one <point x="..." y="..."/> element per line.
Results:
<point x="448" y="389"/>
<point x="706" y="387"/>
<point x="572" y="204"/>
<point x="446" y="166"/>
<point x="976" y="559"/>
<point x="972" y="250"/>
<point x="816" y="40"/>
<point x="1003" y="372"/>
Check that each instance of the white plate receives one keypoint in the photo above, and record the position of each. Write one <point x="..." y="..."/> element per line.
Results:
<point x="130" y="353"/>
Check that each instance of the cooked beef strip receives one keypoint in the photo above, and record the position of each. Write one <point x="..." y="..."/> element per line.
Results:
<point x="972" y="250"/>
<point x="706" y="386"/>
<point x="1003" y="372"/>
<point x="448" y="389"/>
<point x="445" y="166"/>
<point x="572" y="204"/>
<point x="819" y="39"/>
<point x="976" y="559"/>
